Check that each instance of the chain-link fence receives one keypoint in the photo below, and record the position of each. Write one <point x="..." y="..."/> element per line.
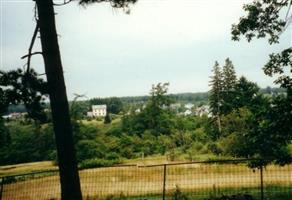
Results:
<point x="193" y="180"/>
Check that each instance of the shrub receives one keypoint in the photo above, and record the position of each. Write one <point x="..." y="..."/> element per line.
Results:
<point x="93" y="163"/>
<point x="214" y="148"/>
<point x="112" y="156"/>
<point x="233" y="197"/>
<point x="172" y="155"/>
<point x="197" y="146"/>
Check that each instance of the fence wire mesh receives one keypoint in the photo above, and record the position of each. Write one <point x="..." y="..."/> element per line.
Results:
<point x="196" y="180"/>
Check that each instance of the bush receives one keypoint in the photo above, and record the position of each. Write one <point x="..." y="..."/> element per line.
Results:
<point x="112" y="156"/>
<point x="197" y="147"/>
<point x="89" y="149"/>
<point x="233" y="197"/>
<point x="93" y="163"/>
<point x="214" y="148"/>
<point x="172" y="155"/>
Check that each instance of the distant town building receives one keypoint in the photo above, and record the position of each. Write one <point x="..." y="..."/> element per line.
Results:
<point x="138" y="110"/>
<point x="189" y="106"/>
<point x="203" y="110"/>
<point x="89" y="114"/>
<point x="14" y="115"/>
<point x="97" y="111"/>
<point x="175" y="106"/>
<point x="187" y="112"/>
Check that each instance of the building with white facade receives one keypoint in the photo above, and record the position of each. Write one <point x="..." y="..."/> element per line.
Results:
<point x="203" y="110"/>
<point x="97" y="111"/>
<point x="189" y="106"/>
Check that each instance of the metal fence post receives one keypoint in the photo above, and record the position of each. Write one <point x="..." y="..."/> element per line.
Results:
<point x="164" y="180"/>
<point x="262" y="182"/>
<point x="2" y="186"/>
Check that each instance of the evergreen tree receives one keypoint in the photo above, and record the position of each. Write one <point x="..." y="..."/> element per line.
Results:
<point x="247" y="94"/>
<point x="229" y="75"/>
<point x="215" y="98"/>
<point x="107" y="118"/>
<point x="155" y="118"/>
<point x="228" y="86"/>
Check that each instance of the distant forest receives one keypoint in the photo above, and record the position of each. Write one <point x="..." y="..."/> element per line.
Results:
<point x="198" y="98"/>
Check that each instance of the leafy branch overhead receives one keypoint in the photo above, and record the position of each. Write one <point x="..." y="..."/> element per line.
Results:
<point x="22" y="87"/>
<point x="276" y="65"/>
<point x="268" y="18"/>
<point x="263" y="20"/>
<point x="114" y="3"/>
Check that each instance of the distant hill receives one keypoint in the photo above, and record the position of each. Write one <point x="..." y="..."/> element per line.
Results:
<point x="195" y="98"/>
<point x="198" y="98"/>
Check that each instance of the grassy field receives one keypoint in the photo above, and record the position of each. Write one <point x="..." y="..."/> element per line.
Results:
<point x="24" y="168"/>
<point x="196" y="179"/>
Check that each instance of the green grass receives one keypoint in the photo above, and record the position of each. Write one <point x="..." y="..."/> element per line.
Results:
<point x="270" y="194"/>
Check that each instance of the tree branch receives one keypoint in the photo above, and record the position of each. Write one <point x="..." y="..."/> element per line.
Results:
<point x="62" y="4"/>
<point x="31" y="46"/>
<point x="31" y="54"/>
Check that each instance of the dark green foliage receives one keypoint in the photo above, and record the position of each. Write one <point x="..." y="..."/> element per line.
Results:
<point x="264" y="133"/>
<point x="199" y="98"/>
<point x="272" y="124"/>
<point x="85" y="132"/>
<point x="155" y="117"/>
<point x="262" y="20"/>
<point x="223" y="83"/>
<point x="222" y="92"/>
<point x="78" y="109"/>
<point x="93" y="163"/>
<point x="28" y="143"/>
<point x="247" y="94"/>
<point x="88" y="149"/>
<point x="228" y="86"/>
<point x="22" y="87"/>
<point x="112" y="156"/>
<point x="5" y="138"/>
<point x="233" y="197"/>
<point x="114" y="3"/>
<point x="275" y="131"/>
<point x="236" y="127"/>
<point x="276" y="67"/>
<point x="216" y="83"/>
<point x="107" y="119"/>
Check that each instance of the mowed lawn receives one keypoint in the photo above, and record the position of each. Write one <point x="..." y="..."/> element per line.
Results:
<point x="146" y="181"/>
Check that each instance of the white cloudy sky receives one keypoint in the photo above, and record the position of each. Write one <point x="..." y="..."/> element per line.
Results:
<point x="108" y="53"/>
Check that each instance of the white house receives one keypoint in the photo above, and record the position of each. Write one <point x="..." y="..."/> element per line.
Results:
<point x="97" y="111"/>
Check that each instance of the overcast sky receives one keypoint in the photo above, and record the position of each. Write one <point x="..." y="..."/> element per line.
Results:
<point x="106" y="52"/>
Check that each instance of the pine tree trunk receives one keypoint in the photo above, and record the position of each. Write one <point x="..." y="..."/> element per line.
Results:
<point x="69" y="178"/>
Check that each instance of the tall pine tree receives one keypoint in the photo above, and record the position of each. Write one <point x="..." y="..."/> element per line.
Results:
<point x="228" y="86"/>
<point x="215" y="98"/>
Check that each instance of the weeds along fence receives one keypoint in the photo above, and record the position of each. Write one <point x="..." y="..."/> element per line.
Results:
<point x="192" y="180"/>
